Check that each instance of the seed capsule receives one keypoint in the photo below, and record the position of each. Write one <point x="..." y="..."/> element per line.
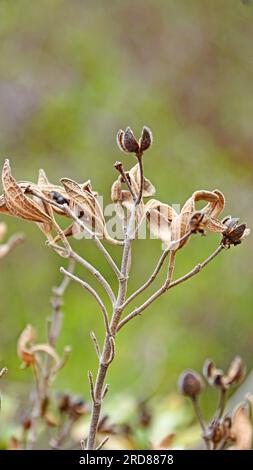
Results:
<point x="190" y="383"/>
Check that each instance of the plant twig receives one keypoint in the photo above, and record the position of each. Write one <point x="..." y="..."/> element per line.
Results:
<point x="168" y="285"/>
<point x="65" y="208"/>
<point x="97" y="241"/>
<point x="44" y="376"/>
<point x="221" y="404"/>
<point x="201" y="421"/>
<point x="100" y="278"/>
<point x="119" y="167"/>
<point x="140" y="162"/>
<point x="96" y="344"/>
<point x="102" y="443"/>
<point x="109" y="349"/>
<point x="92" y="291"/>
<point x="156" y="271"/>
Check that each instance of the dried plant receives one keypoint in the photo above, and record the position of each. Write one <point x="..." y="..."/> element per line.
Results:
<point x="232" y="431"/>
<point x="40" y="202"/>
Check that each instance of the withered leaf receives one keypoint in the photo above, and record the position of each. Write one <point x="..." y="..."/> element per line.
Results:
<point x="242" y="430"/>
<point x="160" y="217"/>
<point x="17" y="203"/>
<point x="27" y="351"/>
<point x="87" y="203"/>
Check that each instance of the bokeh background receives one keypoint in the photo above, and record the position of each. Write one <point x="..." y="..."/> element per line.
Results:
<point x="71" y="74"/>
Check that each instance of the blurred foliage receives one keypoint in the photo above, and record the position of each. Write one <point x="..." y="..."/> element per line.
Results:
<point x="71" y="74"/>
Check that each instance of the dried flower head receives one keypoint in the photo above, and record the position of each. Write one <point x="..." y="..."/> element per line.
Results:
<point x="234" y="233"/>
<point x="235" y="373"/>
<point x="128" y="143"/>
<point x="190" y="383"/>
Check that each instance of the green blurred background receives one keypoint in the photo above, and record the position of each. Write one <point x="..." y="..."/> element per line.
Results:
<point x="71" y="74"/>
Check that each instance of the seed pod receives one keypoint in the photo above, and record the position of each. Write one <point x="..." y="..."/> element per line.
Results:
<point x="213" y="375"/>
<point x="129" y="141"/>
<point x="190" y="383"/>
<point x="120" y="136"/>
<point x="146" y="139"/>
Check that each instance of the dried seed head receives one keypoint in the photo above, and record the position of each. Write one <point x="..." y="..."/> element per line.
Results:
<point x="218" y="430"/>
<point x="190" y="383"/>
<point x="77" y="407"/>
<point x="235" y="232"/>
<point x="127" y="141"/>
<point x="213" y="375"/>
<point x="146" y="139"/>
<point x="63" y="402"/>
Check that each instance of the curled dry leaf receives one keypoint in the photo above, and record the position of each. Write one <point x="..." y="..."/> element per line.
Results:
<point x="241" y="431"/>
<point x="17" y="204"/>
<point x="83" y="201"/>
<point x="23" y="349"/>
<point x="169" y="226"/>
<point x="45" y="227"/>
<point x="28" y="352"/>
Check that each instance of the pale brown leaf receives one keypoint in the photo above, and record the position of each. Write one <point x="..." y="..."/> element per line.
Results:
<point x="17" y="203"/>
<point x="241" y="431"/>
<point x="160" y="217"/>
<point x="24" y="344"/>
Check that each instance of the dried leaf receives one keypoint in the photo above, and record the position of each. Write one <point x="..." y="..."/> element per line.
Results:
<point x="88" y="209"/>
<point x="160" y="217"/>
<point x="3" y="207"/>
<point x="241" y="431"/>
<point x="214" y="208"/>
<point x="27" y="351"/>
<point x="135" y="180"/>
<point x="87" y="204"/>
<point x="47" y="227"/>
<point x="17" y="203"/>
<point x="23" y="349"/>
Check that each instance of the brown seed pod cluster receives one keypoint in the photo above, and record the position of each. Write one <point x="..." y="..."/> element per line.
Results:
<point x="224" y="431"/>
